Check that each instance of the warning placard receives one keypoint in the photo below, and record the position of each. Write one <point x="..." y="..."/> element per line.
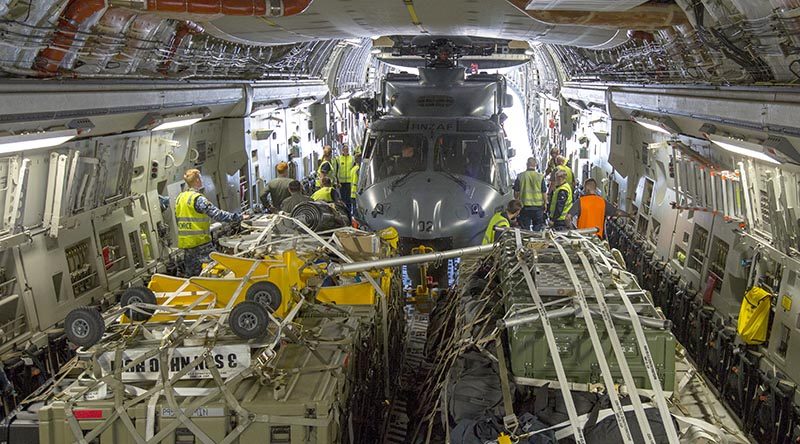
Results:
<point x="227" y="359"/>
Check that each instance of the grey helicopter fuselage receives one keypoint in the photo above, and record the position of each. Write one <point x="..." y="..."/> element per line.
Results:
<point x="435" y="166"/>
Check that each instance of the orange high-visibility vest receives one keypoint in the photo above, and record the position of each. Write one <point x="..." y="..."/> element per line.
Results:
<point x="593" y="213"/>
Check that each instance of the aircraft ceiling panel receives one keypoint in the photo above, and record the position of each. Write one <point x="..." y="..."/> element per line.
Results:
<point x="343" y="19"/>
<point x="362" y="18"/>
<point x="584" y="5"/>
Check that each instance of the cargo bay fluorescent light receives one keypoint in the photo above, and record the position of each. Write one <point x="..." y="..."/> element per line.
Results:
<point x="33" y="140"/>
<point x="158" y="122"/>
<point x="178" y="123"/>
<point x="741" y="147"/>
<point x="660" y="124"/>
<point x="265" y="109"/>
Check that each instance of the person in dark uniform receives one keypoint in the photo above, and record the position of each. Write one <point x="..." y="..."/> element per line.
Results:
<point x="296" y="197"/>
<point x="407" y="161"/>
<point x="560" y="202"/>
<point x="277" y="188"/>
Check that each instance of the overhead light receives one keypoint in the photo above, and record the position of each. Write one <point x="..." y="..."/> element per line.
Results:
<point x="34" y="140"/>
<point x="265" y="109"/>
<point x="741" y="147"/>
<point x="177" y="123"/>
<point x="660" y="124"/>
<point x="529" y="52"/>
<point x="376" y="51"/>
<point x="653" y="127"/>
<point x="302" y="103"/>
<point x="159" y="122"/>
<point x="577" y="104"/>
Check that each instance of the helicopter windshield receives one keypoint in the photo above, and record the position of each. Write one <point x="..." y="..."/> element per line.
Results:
<point x="398" y="155"/>
<point x="465" y="155"/>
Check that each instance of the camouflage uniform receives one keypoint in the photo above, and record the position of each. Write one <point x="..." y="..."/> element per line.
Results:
<point x="193" y="258"/>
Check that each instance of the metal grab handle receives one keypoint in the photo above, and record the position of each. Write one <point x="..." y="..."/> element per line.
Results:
<point x="662" y="324"/>
<point x="533" y="317"/>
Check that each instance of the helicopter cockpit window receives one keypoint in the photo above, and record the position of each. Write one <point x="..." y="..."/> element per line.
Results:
<point x="398" y="154"/>
<point x="465" y="155"/>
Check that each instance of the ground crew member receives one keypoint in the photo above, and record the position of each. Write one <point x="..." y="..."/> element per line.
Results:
<point x="326" y="193"/>
<point x="560" y="202"/>
<point x="562" y="166"/>
<point x="502" y="219"/>
<point x="591" y="210"/>
<point x="529" y="189"/>
<point x="354" y="180"/>
<point x="327" y="153"/>
<point x="552" y="162"/>
<point x="277" y="188"/>
<point x="295" y="198"/>
<point x="323" y="173"/>
<point x="193" y="213"/>
<point x="342" y="166"/>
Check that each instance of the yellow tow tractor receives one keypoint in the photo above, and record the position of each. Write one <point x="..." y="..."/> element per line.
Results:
<point x="248" y="293"/>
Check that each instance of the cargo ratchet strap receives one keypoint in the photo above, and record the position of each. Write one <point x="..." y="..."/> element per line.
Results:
<point x="641" y="417"/>
<point x="613" y="396"/>
<point x="569" y="403"/>
<point x="378" y="290"/>
<point x="510" y="420"/>
<point x="644" y="349"/>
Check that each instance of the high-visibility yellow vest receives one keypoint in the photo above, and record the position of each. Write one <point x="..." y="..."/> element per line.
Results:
<point x="343" y="166"/>
<point x="319" y="172"/>
<point x="354" y="181"/>
<point x="567" y="205"/>
<point x="194" y="228"/>
<point x="754" y="316"/>
<point x="570" y="176"/>
<point x="323" y="194"/>
<point x="499" y="220"/>
<point x="530" y="189"/>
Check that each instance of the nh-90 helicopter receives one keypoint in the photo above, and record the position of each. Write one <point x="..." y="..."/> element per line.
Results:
<point x="435" y="157"/>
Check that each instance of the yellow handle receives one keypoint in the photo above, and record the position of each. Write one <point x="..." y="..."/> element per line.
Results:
<point x="503" y="439"/>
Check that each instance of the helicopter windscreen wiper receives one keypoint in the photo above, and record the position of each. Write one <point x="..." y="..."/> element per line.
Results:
<point x="399" y="181"/>
<point x="461" y="182"/>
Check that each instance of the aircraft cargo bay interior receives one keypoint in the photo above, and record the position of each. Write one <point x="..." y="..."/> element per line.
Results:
<point x="399" y="221"/>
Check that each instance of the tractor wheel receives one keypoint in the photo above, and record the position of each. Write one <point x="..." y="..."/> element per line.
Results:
<point x="266" y="294"/>
<point x="138" y="295"/>
<point x="249" y="320"/>
<point x="84" y="326"/>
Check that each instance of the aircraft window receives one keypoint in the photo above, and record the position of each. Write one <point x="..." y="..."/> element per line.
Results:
<point x="398" y="154"/>
<point x="368" y="148"/>
<point x="465" y="155"/>
<point x="502" y="178"/>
